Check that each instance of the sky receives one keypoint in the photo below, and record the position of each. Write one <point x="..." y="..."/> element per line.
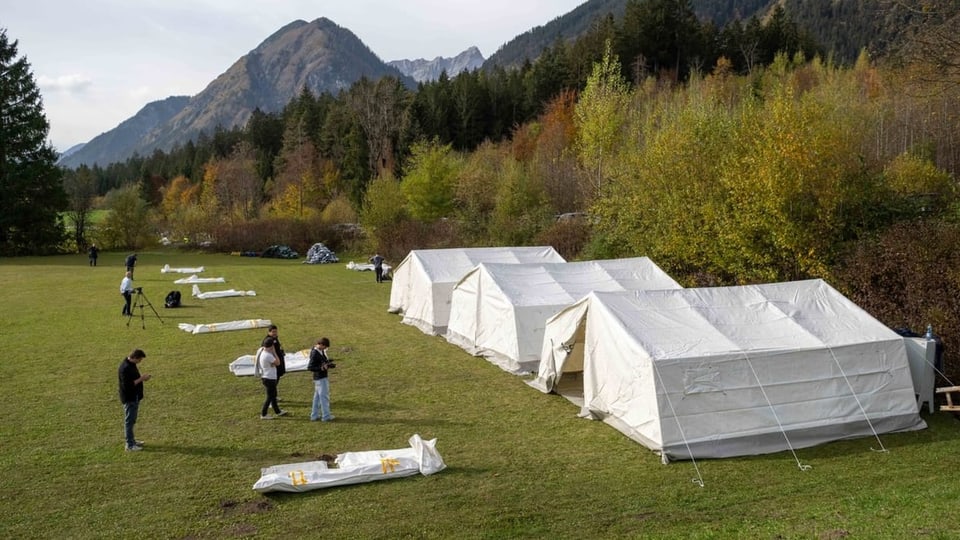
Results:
<point x="98" y="62"/>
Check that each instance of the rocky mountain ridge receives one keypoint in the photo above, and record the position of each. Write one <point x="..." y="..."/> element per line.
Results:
<point x="423" y="70"/>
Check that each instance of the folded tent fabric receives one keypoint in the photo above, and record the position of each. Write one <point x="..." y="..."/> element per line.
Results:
<point x="194" y="279"/>
<point x="219" y="294"/>
<point x="168" y="270"/>
<point x="353" y="468"/>
<point x="224" y="326"/>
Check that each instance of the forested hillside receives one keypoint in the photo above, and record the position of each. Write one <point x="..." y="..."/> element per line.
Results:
<point x="747" y="158"/>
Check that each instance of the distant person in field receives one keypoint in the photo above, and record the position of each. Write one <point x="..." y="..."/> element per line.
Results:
<point x="126" y="290"/>
<point x="131" y="394"/>
<point x="93" y="252"/>
<point x="273" y="333"/>
<point x="320" y="364"/>
<point x="267" y="363"/>
<point x="131" y="262"/>
<point x="377" y="261"/>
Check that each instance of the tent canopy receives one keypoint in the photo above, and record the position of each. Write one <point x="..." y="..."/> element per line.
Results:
<point x="423" y="281"/>
<point x="499" y="310"/>
<point x="728" y="371"/>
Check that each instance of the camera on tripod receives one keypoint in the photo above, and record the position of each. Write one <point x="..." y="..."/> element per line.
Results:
<point x="138" y="289"/>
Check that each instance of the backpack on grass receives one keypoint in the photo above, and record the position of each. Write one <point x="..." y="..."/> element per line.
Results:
<point x="172" y="300"/>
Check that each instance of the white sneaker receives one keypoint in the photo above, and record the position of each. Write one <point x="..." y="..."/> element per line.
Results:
<point x="134" y="448"/>
<point x="282" y="413"/>
<point x="266" y="417"/>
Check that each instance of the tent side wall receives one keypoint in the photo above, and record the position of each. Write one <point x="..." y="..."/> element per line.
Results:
<point x="403" y="278"/>
<point x="462" y="326"/>
<point x="620" y="389"/>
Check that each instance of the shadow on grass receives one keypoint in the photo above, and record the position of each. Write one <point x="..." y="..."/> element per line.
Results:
<point x="940" y="427"/>
<point x="253" y="454"/>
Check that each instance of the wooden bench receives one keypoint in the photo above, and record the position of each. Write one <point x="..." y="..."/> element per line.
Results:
<point x="949" y="392"/>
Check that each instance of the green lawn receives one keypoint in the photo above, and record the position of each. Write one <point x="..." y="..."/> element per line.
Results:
<point x="519" y="463"/>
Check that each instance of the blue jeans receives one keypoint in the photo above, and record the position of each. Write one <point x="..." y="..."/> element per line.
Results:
<point x="321" y="399"/>
<point x="130" y="411"/>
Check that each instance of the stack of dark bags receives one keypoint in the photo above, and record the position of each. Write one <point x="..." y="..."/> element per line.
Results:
<point x="320" y="254"/>
<point x="280" y="252"/>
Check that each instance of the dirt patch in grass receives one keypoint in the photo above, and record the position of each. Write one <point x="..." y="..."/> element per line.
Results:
<point x="234" y="508"/>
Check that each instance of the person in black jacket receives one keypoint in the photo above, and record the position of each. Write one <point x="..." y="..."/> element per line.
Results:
<point x="131" y="394"/>
<point x="131" y="262"/>
<point x="93" y="252"/>
<point x="320" y="364"/>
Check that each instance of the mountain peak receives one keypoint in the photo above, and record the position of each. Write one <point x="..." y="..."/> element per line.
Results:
<point x="422" y="70"/>
<point x="320" y="56"/>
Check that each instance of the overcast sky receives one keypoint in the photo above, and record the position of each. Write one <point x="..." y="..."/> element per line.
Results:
<point x="98" y="62"/>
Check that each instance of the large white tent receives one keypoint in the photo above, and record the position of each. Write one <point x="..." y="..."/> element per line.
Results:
<point x="499" y="310"/>
<point x="423" y="281"/>
<point x="729" y="371"/>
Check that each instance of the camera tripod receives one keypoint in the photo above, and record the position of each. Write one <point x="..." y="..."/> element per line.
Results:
<point x="139" y="301"/>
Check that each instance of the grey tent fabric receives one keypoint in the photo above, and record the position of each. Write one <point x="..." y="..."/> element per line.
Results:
<point x="279" y="252"/>
<point x="320" y="254"/>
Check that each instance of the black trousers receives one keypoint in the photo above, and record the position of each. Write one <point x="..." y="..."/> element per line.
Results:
<point x="126" y="303"/>
<point x="379" y="271"/>
<point x="271" y="386"/>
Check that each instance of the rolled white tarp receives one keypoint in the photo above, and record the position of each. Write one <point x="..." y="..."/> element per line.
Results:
<point x="353" y="468"/>
<point x="243" y="365"/>
<point x="224" y="326"/>
<point x="219" y="294"/>
<point x="167" y="270"/>
<point x="367" y="267"/>
<point x="194" y="279"/>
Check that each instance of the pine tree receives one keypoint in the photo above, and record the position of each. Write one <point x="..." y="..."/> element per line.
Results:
<point x="31" y="189"/>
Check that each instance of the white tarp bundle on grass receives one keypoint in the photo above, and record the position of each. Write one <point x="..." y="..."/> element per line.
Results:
<point x="167" y="270"/>
<point x="353" y="468"/>
<point x="195" y="279"/>
<point x="499" y="311"/>
<point x="730" y="371"/>
<point x="368" y="267"/>
<point x="423" y="281"/>
<point x="243" y="366"/>
<point x="219" y="294"/>
<point x="224" y="326"/>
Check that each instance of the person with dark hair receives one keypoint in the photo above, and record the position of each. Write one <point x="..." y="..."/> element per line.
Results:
<point x="273" y="333"/>
<point x="93" y="252"/>
<point x="377" y="261"/>
<point x="320" y="364"/>
<point x="126" y="290"/>
<point x="131" y="394"/>
<point x="268" y="362"/>
<point x="131" y="262"/>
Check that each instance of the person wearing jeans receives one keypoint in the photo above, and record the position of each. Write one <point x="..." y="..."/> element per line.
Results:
<point x="131" y="393"/>
<point x="319" y="364"/>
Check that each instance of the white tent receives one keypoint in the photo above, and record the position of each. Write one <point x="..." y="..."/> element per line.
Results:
<point x="729" y="371"/>
<point x="423" y="281"/>
<point x="499" y="310"/>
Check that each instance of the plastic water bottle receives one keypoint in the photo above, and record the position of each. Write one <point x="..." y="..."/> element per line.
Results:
<point x="929" y="334"/>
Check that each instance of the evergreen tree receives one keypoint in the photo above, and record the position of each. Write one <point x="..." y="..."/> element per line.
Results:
<point x="31" y="191"/>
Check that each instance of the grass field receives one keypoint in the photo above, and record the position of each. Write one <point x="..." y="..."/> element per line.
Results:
<point x="520" y="464"/>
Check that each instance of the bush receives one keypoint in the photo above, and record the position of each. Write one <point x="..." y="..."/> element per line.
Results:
<point x="907" y="277"/>
<point x="568" y="237"/>
<point x="259" y="234"/>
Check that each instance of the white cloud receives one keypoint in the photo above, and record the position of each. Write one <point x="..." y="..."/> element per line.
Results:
<point x="73" y="83"/>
